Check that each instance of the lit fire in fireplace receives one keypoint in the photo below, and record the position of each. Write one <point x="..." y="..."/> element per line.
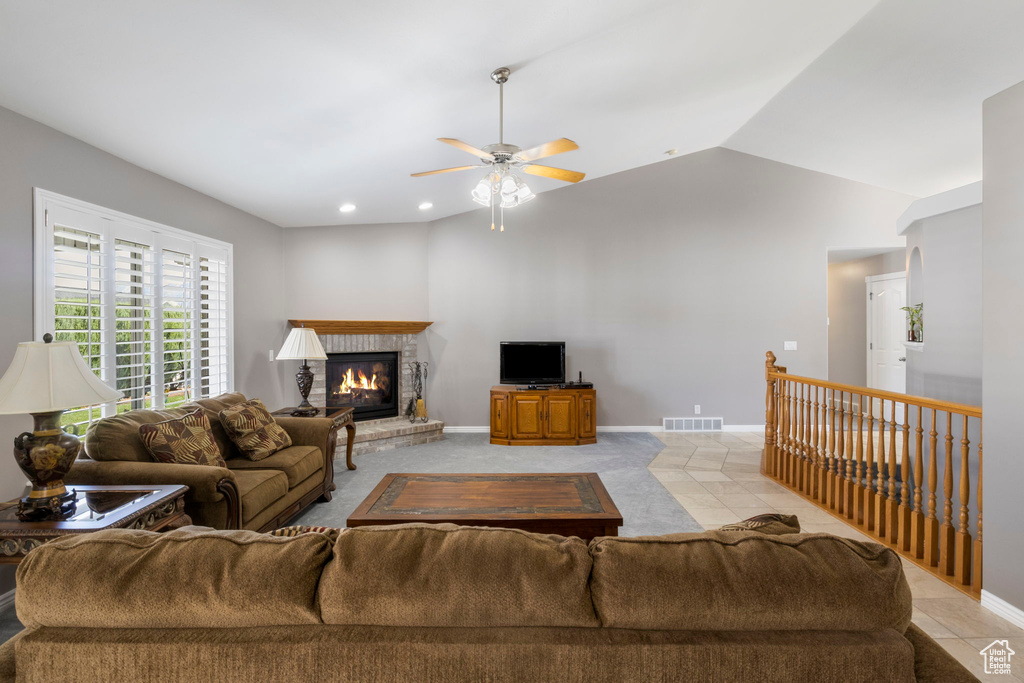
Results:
<point x="349" y="383"/>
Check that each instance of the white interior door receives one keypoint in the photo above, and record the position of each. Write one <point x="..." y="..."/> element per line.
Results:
<point x="887" y="329"/>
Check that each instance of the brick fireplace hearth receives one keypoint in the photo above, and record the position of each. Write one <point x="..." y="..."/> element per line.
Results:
<point x="384" y="434"/>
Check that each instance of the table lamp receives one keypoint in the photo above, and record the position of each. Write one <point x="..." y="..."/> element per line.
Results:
<point x="45" y="379"/>
<point x="303" y="344"/>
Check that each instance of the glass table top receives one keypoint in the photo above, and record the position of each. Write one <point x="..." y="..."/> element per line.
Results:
<point x="95" y="506"/>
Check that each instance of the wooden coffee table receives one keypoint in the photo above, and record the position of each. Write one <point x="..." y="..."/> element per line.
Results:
<point x="570" y="504"/>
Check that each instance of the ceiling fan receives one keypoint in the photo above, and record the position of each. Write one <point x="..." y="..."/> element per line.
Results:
<point x="501" y="186"/>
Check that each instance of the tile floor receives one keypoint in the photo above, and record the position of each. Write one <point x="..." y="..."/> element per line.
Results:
<point x="716" y="478"/>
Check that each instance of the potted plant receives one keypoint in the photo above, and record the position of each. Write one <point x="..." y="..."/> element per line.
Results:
<point x="915" y="322"/>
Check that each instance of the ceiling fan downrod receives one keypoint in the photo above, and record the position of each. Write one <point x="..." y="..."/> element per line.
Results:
<point x="499" y="76"/>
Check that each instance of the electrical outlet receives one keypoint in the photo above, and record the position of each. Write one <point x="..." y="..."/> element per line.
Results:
<point x="696" y="409"/>
<point x="789" y="346"/>
<point x="271" y="353"/>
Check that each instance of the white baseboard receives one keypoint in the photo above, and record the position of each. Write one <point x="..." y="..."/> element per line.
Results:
<point x="1014" y="615"/>
<point x="7" y="599"/>
<point x="484" y="429"/>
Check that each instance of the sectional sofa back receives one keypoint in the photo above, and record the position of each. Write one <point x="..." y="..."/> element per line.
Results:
<point x="431" y="576"/>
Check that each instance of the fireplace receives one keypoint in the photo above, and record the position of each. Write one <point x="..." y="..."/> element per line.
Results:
<point x="367" y="382"/>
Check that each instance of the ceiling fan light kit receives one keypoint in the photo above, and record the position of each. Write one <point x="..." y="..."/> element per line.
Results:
<point x="502" y="188"/>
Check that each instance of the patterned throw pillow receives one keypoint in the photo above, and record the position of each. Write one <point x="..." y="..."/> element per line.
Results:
<point x="186" y="440"/>
<point x="289" y="531"/>
<point x="772" y="524"/>
<point x="253" y="429"/>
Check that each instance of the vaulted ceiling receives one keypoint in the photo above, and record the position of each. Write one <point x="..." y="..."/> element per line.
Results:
<point x="290" y="109"/>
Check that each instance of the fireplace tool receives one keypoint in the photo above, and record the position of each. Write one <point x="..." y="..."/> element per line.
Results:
<point x="417" y="408"/>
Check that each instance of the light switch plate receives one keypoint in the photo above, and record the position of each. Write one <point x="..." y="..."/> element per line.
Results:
<point x="789" y="346"/>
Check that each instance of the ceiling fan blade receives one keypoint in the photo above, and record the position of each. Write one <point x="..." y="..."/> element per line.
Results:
<point x="443" y="170"/>
<point x="547" y="149"/>
<point x="466" y="147"/>
<point x="556" y="173"/>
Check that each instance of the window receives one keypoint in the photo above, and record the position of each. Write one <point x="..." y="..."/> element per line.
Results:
<point x="148" y="305"/>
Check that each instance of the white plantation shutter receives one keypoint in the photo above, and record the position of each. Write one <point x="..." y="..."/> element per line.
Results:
<point x="178" y="297"/>
<point x="213" y="323"/>
<point x="78" y="303"/>
<point x="148" y="305"/>
<point x="134" y="272"/>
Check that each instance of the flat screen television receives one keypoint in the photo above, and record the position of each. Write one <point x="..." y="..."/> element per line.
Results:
<point x="532" y="363"/>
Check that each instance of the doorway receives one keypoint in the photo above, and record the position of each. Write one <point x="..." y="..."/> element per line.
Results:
<point x="886" y="354"/>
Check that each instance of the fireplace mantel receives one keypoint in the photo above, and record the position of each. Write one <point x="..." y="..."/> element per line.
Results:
<point x="363" y="326"/>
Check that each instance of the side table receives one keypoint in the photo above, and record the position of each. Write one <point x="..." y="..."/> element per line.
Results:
<point x="152" y="508"/>
<point x="342" y="418"/>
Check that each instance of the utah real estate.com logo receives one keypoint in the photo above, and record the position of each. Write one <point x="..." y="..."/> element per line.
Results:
<point x="997" y="657"/>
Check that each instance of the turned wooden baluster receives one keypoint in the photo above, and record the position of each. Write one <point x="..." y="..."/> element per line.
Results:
<point x="869" y="479"/>
<point x="841" y="458"/>
<point x="891" y="504"/>
<point x="801" y="427"/>
<point x="903" y="528"/>
<point x="791" y="418"/>
<point x="976" y="570"/>
<point x="768" y="454"/>
<point x="808" y="446"/>
<point x="917" y="517"/>
<point x="931" y="522"/>
<point x="880" y="518"/>
<point x="962" y="571"/>
<point x="782" y="445"/>
<point x="830" y="480"/>
<point x="784" y="435"/>
<point x="849" y="449"/>
<point x="819" y="458"/>
<point x="947" y="535"/>
<point x="778" y="431"/>
<point x="858" y="489"/>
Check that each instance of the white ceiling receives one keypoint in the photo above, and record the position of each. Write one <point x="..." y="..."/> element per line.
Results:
<point x="288" y="110"/>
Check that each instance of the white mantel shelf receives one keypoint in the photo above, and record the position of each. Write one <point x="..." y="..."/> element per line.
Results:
<point x="363" y="326"/>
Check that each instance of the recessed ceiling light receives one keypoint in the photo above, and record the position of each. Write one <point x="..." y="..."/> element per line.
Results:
<point x="345" y="208"/>
<point x="672" y="152"/>
<point x="425" y="205"/>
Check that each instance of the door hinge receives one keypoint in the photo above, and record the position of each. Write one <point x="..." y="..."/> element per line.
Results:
<point x="871" y="346"/>
<point x="871" y="295"/>
<point x="46" y="217"/>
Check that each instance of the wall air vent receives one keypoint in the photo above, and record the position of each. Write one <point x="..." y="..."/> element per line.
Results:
<point x="692" y="424"/>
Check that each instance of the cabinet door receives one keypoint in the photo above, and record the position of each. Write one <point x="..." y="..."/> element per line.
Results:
<point x="560" y="417"/>
<point x="527" y="417"/>
<point x="499" y="416"/>
<point x="588" y="416"/>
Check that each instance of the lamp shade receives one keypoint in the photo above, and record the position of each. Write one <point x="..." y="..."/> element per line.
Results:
<point x="301" y="344"/>
<point x="46" y="377"/>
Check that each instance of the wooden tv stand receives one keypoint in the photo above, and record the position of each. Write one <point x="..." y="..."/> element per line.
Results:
<point x="543" y="417"/>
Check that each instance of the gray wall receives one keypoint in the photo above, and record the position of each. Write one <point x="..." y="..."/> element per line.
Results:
<point x="949" y="366"/>
<point x="362" y="272"/>
<point x="1003" y="362"/>
<point x="848" y="316"/>
<point x="668" y="282"/>
<point x="36" y="156"/>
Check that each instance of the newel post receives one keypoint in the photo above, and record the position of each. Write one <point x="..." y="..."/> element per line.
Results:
<point x="770" y="413"/>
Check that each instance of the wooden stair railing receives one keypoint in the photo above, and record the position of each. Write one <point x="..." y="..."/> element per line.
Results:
<point x="862" y="454"/>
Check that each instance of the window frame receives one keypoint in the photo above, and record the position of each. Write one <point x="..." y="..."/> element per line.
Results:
<point x="113" y="226"/>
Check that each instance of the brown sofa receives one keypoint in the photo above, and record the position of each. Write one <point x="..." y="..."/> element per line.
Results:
<point x="260" y="495"/>
<point x="424" y="602"/>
